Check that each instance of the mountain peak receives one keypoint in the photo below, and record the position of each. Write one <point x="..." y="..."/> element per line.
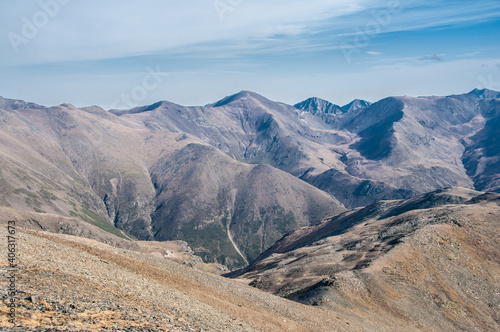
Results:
<point x="356" y="104"/>
<point x="240" y="96"/>
<point x="485" y="93"/>
<point x="317" y="106"/>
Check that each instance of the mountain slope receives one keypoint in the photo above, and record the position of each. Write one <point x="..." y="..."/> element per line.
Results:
<point x="231" y="179"/>
<point x="412" y="145"/>
<point x="355" y="105"/>
<point x="245" y="126"/>
<point x="318" y="106"/>
<point x="86" y="285"/>
<point x="121" y="170"/>
<point x="485" y="93"/>
<point x="92" y="165"/>
<point x="208" y="199"/>
<point x="433" y="260"/>
<point x="434" y="267"/>
<point x="482" y="154"/>
<point x="73" y="162"/>
<point x="395" y="148"/>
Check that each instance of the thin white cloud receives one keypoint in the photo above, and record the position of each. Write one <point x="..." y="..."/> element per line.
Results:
<point x="302" y="39"/>
<point x="93" y="30"/>
<point x="90" y="30"/>
<point x="468" y="55"/>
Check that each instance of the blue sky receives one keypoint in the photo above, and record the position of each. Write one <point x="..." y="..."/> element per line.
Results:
<point x="121" y="53"/>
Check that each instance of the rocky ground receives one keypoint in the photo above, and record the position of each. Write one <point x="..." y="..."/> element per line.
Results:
<point x="433" y="261"/>
<point x="66" y="283"/>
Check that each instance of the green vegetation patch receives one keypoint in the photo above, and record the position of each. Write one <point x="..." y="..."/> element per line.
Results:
<point x="30" y="198"/>
<point x="211" y="243"/>
<point x="92" y="218"/>
<point x="24" y="176"/>
<point x="47" y="195"/>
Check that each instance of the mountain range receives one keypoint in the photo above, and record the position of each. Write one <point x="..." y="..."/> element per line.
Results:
<point x="231" y="178"/>
<point x="368" y="217"/>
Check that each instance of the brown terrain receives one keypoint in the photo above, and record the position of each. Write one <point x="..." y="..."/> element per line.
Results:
<point x="432" y="261"/>
<point x="67" y="283"/>
<point x="233" y="177"/>
<point x="253" y="215"/>
<point x="123" y="175"/>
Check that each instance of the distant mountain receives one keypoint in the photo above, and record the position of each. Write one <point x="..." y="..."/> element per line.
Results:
<point x="355" y="105"/>
<point x="147" y="174"/>
<point x="485" y="93"/>
<point x="432" y="259"/>
<point x="481" y="158"/>
<point x="318" y="106"/>
<point x="239" y="98"/>
<point x="405" y="146"/>
<point x="86" y="164"/>
<point x="377" y="212"/>
<point x="15" y="104"/>
<point x="122" y="169"/>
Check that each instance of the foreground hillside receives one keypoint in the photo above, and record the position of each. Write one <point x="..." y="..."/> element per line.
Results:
<point x="67" y="283"/>
<point x="432" y="261"/>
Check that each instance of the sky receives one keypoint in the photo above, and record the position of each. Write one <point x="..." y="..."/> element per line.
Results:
<point x="123" y="53"/>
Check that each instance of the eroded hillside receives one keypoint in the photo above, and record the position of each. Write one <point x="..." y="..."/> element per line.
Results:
<point x="433" y="261"/>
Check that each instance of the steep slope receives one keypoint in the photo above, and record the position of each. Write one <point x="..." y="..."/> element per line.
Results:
<point x="81" y="163"/>
<point x="321" y="107"/>
<point x="432" y="260"/>
<point x="15" y="104"/>
<point x="245" y="126"/>
<point x="395" y="148"/>
<point x="95" y="166"/>
<point x="230" y="179"/>
<point x="318" y="112"/>
<point x="85" y="285"/>
<point x="102" y="166"/>
<point x="434" y="268"/>
<point x="405" y="146"/>
<point x="375" y="127"/>
<point x="57" y="223"/>
<point x="318" y="106"/>
<point x="485" y="93"/>
<point x="482" y="154"/>
<point x="209" y="199"/>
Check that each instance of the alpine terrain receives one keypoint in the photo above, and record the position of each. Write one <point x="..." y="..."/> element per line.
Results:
<point x="363" y="217"/>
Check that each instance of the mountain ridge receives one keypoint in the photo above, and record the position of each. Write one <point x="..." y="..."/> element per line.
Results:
<point x="109" y="168"/>
<point x="407" y="258"/>
<point x="317" y="106"/>
<point x="485" y="93"/>
<point x="367" y="220"/>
